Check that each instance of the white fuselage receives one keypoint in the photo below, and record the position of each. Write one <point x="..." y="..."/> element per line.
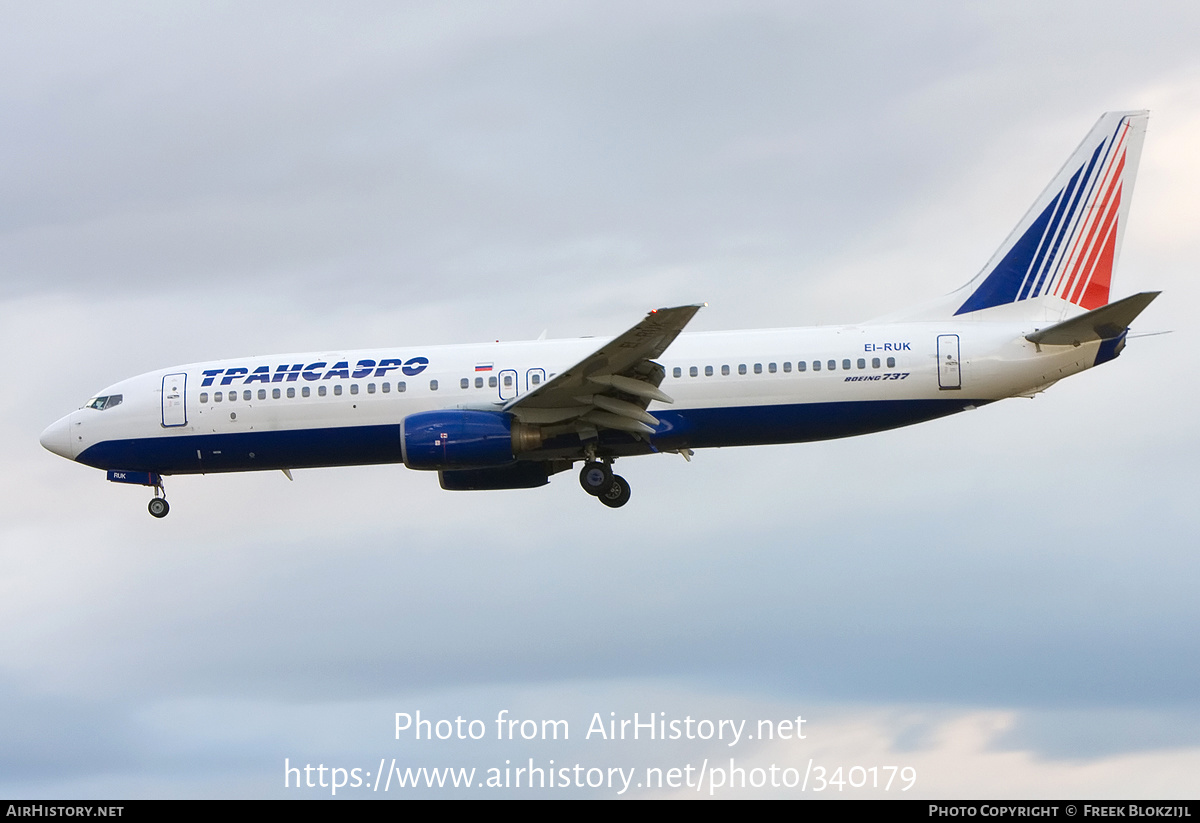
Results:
<point x="729" y="388"/>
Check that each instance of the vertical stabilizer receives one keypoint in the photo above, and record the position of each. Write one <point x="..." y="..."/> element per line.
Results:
<point x="1064" y="249"/>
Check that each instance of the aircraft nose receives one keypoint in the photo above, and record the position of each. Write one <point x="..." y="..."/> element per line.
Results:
<point x="57" y="438"/>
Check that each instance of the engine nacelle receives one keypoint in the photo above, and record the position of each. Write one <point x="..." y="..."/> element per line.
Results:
<point x="457" y="439"/>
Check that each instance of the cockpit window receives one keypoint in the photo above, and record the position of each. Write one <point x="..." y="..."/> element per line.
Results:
<point x="102" y="403"/>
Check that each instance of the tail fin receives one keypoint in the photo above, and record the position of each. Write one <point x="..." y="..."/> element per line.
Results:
<point x="1066" y="245"/>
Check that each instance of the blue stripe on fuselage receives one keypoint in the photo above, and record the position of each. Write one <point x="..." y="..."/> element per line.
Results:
<point x="366" y="445"/>
<point x="794" y="423"/>
<point x="248" y="451"/>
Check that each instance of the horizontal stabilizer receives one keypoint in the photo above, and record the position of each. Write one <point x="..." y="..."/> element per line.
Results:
<point x="1103" y="323"/>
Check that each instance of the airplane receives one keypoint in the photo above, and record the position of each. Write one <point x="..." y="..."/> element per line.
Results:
<point x="511" y="415"/>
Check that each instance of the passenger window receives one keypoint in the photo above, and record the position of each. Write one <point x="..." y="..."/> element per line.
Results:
<point x="433" y="384"/>
<point x="758" y="368"/>
<point x="846" y="364"/>
<point x="479" y="382"/>
<point x="862" y="362"/>
<point x="492" y="382"/>
<point x="246" y="394"/>
<point x="387" y="387"/>
<point x="802" y="365"/>
<point x="275" y="393"/>
<point x="816" y="365"/>
<point x="464" y="383"/>
<point x="291" y="392"/>
<point x="371" y="387"/>
<point x="708" y="372"/>
<point x="787" y="367"/>
<point x="507" y="381"/>
<point x="891" y="362"/>
<point x="678" y="372"/>
<point x="305" y="392"/>
<point x="725" y="370"/>
<point x="321" y="391"/>
<point x="832" y="365"/>
<point x="337" y="390"/>
<point x="771" y="368"/>
<point x="203" y="397"/>
<point x="262" y="394"/>
<point x="693" y="371"/>
<point x="217" y="397"/>
<point x="354" y="388"/>
<point x="401" y="385"/>
<point x="742" y="368"/>
<point x="874" y="362"/>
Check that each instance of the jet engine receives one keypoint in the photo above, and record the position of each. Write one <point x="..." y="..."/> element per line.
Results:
<point x="455" y="439"/>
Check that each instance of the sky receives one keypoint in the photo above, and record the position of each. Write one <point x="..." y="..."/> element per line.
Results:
<point x="998" y="604"/>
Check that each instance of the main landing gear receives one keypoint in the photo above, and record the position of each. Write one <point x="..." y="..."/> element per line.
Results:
<point x="599" y="481"/>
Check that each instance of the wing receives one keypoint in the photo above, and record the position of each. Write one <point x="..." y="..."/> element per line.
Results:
<point x="611" y="387"/>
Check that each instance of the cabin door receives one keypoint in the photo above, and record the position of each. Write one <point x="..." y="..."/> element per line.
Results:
<point x="949" y="371"/>
<point x="174" y="392"/>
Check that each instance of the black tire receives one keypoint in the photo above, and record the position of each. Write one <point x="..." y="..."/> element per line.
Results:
<point x="595" y="478"/>
<point x="159" y="507"/>
<point x="617" y="494"/>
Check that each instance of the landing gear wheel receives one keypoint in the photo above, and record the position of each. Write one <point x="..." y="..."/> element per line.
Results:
<point x="158" y="507"/>
<point x="617" y="494"/>
<point x="596" y="478"/>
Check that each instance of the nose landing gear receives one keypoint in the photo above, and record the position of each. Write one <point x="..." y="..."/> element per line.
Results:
<point x="158" y="506"/>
